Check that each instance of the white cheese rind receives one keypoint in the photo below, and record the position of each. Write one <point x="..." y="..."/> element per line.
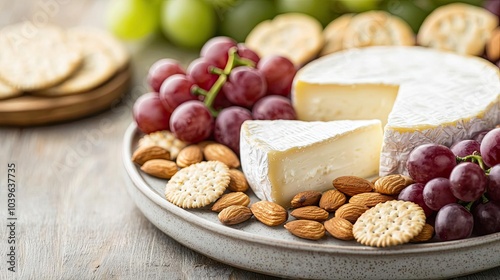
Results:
<point x="442" y="97"/>
<point x="282" y="158"/>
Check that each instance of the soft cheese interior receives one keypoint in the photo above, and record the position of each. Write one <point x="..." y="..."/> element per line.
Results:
<point x="421" y="95"/>
<point x="282" y="158"/>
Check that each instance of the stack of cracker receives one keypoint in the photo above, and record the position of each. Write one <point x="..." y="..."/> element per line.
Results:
<point x="52" y="61"/>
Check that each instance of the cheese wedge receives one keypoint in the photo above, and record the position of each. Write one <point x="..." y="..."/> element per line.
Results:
<point x="282" y="158"/>
<point x="421" y="95"/>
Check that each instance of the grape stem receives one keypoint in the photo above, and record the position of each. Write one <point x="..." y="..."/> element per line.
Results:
<point x="233" y="61"/>
<point x="476" y="158"/>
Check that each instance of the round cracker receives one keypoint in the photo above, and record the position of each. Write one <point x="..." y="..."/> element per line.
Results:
<point x="198" y="185"/>
<point x="390" y="223"/>
<point x="458" y="27"/>
<point x="295" y="36"/>
<point x="114" y="48"/>
<point x="7" y="91"/>
<point x="333" y="34"/>
<point x="377" y="28"/>
<point x="36" y="57"/>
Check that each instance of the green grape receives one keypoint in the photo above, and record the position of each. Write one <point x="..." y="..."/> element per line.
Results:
<point x="319" y="9"/>
<point x="132" y="19"/>
<point x="358" y="6"/>
<point x="413" y="12"/>
<point x="239" y="20"/>
<point x="188" y="23"/>
<point x="222" y="4"/>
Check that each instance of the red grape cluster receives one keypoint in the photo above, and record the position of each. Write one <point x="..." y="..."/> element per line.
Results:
<point x="228" y="84"/>
<point x="460" y="185"/>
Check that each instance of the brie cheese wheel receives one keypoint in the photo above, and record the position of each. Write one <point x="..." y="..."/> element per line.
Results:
<point x="282" y="158"/>
<point x="421" y="96"/>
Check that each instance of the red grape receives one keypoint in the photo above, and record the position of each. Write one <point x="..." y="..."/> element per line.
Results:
<point x="161" y="70"/>
<point x="216" y="50"/>
<point x="430" y="161"/>
<point x="453" y="222"/>
<point x="468" y="181"/>
<point x="493" y="188"/>
<point x="465" y="148"/>
<point x="228" y="124"/>
<point x="221" y="101"/>
<point x="437" y="193"/>
<point x="244" y="86"/>
<point x="493" y="6"/>
<point x="247" y="53"/>
<point x="149" y="113"/>
<point x="191" y="122"/>
<point x="414" y="193"/>
<point x="199" y="71"/>
<point x="274" y="107"/>
<point x="279" y="73"/>
<point x="175" y="91"/>
<point x="486" y="218"/>
<point x="490" y="147"/>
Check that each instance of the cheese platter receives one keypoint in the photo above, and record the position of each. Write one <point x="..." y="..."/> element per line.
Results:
<point x="272" y="251"/>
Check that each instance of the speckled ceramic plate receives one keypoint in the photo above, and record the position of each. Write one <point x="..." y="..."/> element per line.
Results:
<point x="273" y="251"/>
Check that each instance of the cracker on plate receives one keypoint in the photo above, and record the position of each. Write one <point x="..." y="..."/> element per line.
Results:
<point x="198" y="185"/>
<point x="97" y="67"/>
<point x="377" y="28"/>
<point x="458" y="27"/>
<point x="295" y="36"/>
<point x="390" y="223"/>
<point x="36" y="57"/>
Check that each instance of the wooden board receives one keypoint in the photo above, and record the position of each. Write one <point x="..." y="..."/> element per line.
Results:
<point x="28" y="110"/>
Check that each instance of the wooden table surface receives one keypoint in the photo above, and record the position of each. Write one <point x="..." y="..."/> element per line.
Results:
<point x="75" y="219"/>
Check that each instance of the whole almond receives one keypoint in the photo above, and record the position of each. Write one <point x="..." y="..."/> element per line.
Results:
<point x="331" y="200"/>
<point x="205" y="143"/>
<point x="310" y="213"/>
<point x="189" y="155"/>
<point x="145" y="153"/>
<point x="234" y="214"/>
<point x="370" y="199"/>
<point x="221" y="153"/>
<point x="425" y="235"/>
<point x="352" y="185"/>
<point x="160" y="168"/>
<point x="305" y="198"/>
<point x="392" y="184"/>
<point x="306" y="229"/>
<point x="238" y="182"/>
<point x="269" y="213"/>
<point x="350" y="211"/>
<point x="339" y="228"/>
<point x="234" y="198"/>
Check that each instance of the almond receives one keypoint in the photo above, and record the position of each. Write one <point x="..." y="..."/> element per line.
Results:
<point x="205" y="143"/>
<point x="493" y="45"/>
<point x="352" y="185"/>
<point x="160" y="168"/>
<point x="221" y="153"/>
<point x="269" y="213"/>
<point x="306" y="198"/>
<point x="238" y="182"/>
<point x="310" y="213"/>
<point x="331" y="200"/>
<point x="369" y="199"/>
<point x="189" y="155"/>
<point x="339" y="228"/>
<point x="234" y="198"/>
<point x="350" y="211"/>
<point x="425" y="235"/>
<point x="234" y="214"/>
<point x="392" y="184"/>
<point x="145" y="153"/>
<point x="306" y="229"/>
